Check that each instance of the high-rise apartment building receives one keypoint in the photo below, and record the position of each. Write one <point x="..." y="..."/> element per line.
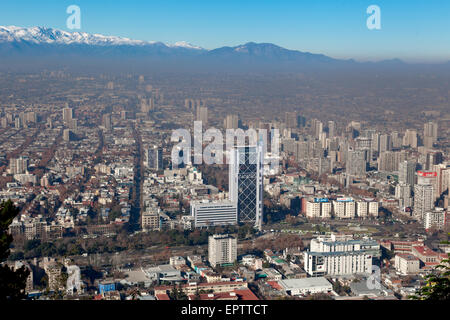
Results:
<point x="19" y="165"/>
<point x="356" y="163"/>
<point x="231" y="122"/>
<point x="291" y="120"/>
<point x="202" y="115"/>
<point x="67" y="115"/>
<point x="423" y="199"/>
<point x="222" y="249"/>
<point x="410" y="138"/>
<point x="407" y="172"/>
<point x="430" y="134"/>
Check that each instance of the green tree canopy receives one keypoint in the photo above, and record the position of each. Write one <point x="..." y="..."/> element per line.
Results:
<point x="12" y="283"/>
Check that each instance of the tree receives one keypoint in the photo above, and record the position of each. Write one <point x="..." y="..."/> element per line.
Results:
<point x="12" y="283"/>
<point x="437" y="286"/>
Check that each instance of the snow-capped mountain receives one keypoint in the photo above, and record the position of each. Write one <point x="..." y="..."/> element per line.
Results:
<point x="42" y="35"/>
<point x="48" y="46"/>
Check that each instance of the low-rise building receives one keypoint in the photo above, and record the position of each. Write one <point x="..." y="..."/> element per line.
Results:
<point x="296" y="287"/>
<point x="407" y="263"/>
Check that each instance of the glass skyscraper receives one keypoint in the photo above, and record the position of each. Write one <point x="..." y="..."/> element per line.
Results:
<point x="246" y="182"/>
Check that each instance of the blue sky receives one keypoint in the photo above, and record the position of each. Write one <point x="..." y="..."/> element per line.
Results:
<point x="413" y="30"/>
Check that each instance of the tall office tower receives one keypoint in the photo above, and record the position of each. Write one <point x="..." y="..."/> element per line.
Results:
<point x="423" y="199"/>
<point x="410" y="138"/>
<point x="107" y="123"/>
<point x="222" y="249"/>
<point x="331" y="129"/>
<point x="385" y="143"/>
<point x="4" y="123"/>
<point x="246" y="182"/>
<point x="403" y="193"/>
<point x="202" y="115"/>
<point x="231" y="122"/>
<point x="123" y="115"/>
<point x="407" y="172"/>
<point x="291" y="120"/>
<point x="430" y="134"/>
<point x="155" y="158"/>
<point x="67" y="115"/>
<point x="356" y="164"/>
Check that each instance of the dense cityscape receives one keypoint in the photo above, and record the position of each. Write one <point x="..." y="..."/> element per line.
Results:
<point x="224" y="159"/>
<point x="355" y="209"/>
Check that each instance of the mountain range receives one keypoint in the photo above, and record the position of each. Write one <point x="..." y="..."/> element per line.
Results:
<point x="40" y="44"/>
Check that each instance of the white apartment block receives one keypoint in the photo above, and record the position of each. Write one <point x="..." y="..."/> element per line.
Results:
<point x="435" y="219"/>
<point x="318" y="209"/>
<point x="337" y="255"/>
<point x="344" y="209"/>
<point x="362" y="209"/>
<point x="222" y="249"/>
<point x="407" y="264"/>
<point x="214" y="214"/>
<point x="373" y="208"/>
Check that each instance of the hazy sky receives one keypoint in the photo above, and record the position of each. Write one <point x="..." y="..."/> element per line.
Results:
<point x="413" y="30"/>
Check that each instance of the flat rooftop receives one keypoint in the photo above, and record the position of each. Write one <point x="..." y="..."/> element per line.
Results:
<point x="288" y="284"/>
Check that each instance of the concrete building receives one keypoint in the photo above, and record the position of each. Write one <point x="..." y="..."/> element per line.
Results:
<point x="214" y="214"/>
<point x="222" y="249"/>
<point x="231" y="122"/>
<point x="423" y="200"/>
<point x="407" y="172"/>
<point x="436" y="219"/>
<point x="298" y="287"/>
<point x="407" y="264"/>
<point x="151" y="220"/>
<point x="337" y="255"/>
<point x="344" y="208"/>
<point x="318" y="208"/>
